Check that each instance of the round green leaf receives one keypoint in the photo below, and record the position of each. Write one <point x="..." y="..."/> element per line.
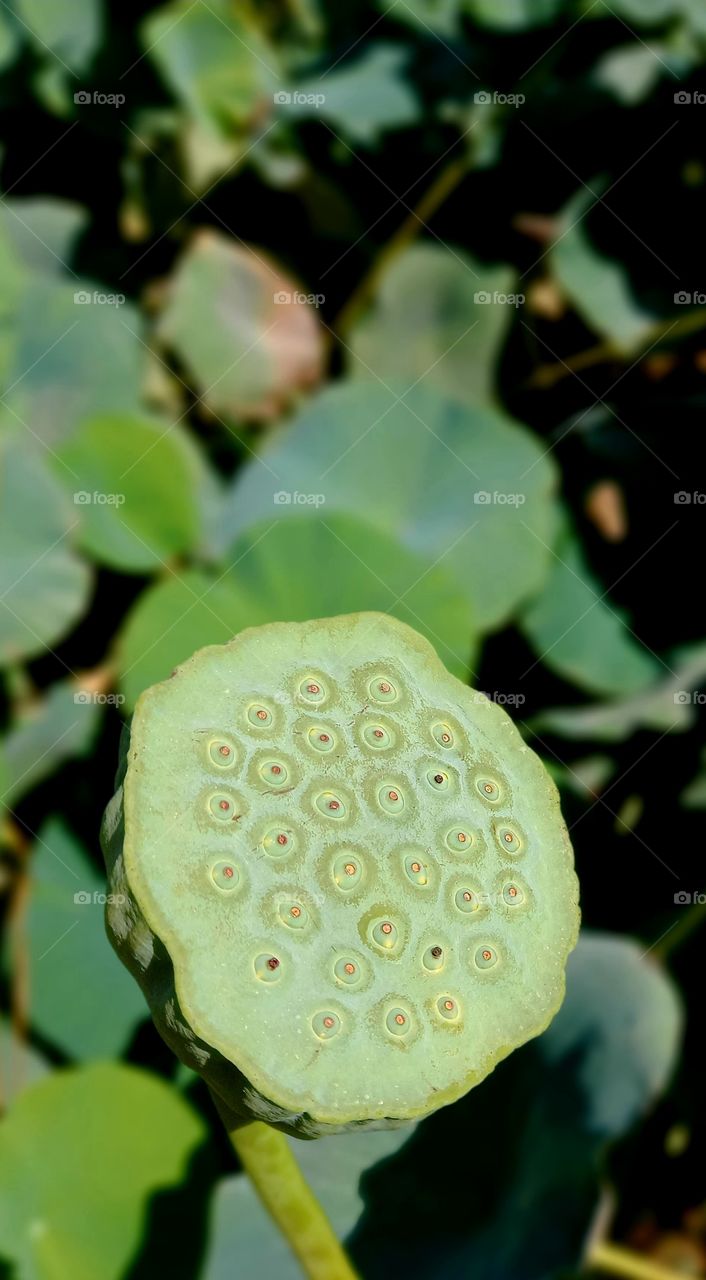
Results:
<point x="43" y="585"/>
<point x="134" y="488"/>
<point x="465" y="485"/>
<point x="439" y="316"/>
<point x="81" y="1153"/>
<point x="318" y="567"/>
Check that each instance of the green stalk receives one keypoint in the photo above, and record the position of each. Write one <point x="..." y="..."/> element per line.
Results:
<point x="267" y="1158"/>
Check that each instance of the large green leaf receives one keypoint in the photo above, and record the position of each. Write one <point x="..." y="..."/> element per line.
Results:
<point x="42" y="230"/>
<point x="214" y="59"/>
<point x="319" y="567"/>
<point x="58" y="726"/>
<point x="43" y="585"/>
<point x="81" y="1154"/>
<point x="74" y="354"/>
<point x="171" y="620"/>
<point x="285" y="571"/>
<point x="472" y="1192"/>
<point x="67" y="29"/>
<point x="80" y="1000"/>
<point x="135" y="491"/>
<point x="577" y="632"/>
<point x="462" y="485"/>
<point x="598" y="287"/>
<point x="244" y="333"/>
<point x="361" y="100"/>
<point x="440" y="316"/>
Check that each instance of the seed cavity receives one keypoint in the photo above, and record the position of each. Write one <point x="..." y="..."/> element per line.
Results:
<point x="225" y="876"/>
<point x="260" y="716"/>
<point x="513" y="895"/>
<point x="485" y="957"/>
<point x="398" y="1021"/>
<point x="415" y="870"/>
<point x="221" y="753"/>
<point x="274" y="772"/>
<point x="448" y="1008"/>
<point x="385" y="935"/>
<point x="268" y="967"/>
<point x="433" y="959"/>
<point x="293" y="914"/>
<point x="488" y="789"/>
<point x="458" y="840"/>
<point x="348" y="970"/>
<point x="442" y="734"/>
<point x="321" y="739"/>
<point x="347" y="871"/>
<point x="381" y="689"/>
<point x="221" y="806"/>
<point x="279" y="842"/>
<point x="438" y="780"/>
<point x="312" y="690"/>
<point x="467" y="901"/>
<point x="508" y="839"/>
<point x="326" y="1024"/>
<point x="391" y="799"/>
<point x="377" y="737"/>
<point x="331" y="805"/>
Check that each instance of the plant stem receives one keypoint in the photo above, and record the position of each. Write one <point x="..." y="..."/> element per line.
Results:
<point x="443" y="186"/>
<point x="617" y="1261"/>
<point x="267" y="1158"/>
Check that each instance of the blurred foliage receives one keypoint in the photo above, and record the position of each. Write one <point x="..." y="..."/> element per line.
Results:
<point x="306" y="309"/>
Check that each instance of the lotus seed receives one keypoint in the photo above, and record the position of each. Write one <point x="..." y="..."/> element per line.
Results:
<point x="225" y="876"/>
<point x="260" y="716"/>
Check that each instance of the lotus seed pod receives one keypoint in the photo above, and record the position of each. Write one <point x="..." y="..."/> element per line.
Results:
<point x="340" y="876"/>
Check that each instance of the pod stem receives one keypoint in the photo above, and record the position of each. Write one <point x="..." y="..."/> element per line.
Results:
<point x="618" y="1261"/>
<point x="269" y="1162"/>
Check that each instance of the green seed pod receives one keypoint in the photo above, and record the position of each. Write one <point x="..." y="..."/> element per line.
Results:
<point x="339" y="875"/>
